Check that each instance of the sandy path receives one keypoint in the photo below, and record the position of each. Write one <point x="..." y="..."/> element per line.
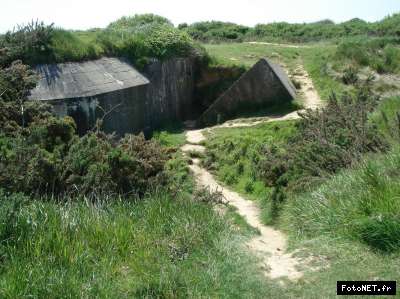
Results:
<point x="271" y="244"/>
<point x="278" y="45"/>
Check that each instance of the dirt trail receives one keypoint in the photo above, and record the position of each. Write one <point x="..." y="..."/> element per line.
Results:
<point x="279" y="45"/>
<point x="271" y="244"/>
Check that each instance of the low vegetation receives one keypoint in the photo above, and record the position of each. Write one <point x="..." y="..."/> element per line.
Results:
<point x="359" y="204"/>
<point x="95" y="216"/>
<point x="214" y="32"/>
<point x="233" y="154"/>
<point x="138" y="38"/>
<point x="159" y="247"/>
<point x="381" y="55"/>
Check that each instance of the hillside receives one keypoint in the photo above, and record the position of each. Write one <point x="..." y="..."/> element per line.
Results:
<point x="325" y="30"/>
<point x="281" y="202"/>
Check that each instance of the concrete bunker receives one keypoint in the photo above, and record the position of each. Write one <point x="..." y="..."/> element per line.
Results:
<point x="263" y="85"/>
<point x="129" y="101"/>
<point x="111" y="89"/>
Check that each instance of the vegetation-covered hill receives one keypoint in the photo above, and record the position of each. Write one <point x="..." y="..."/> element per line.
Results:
<point x="215" y="31"/>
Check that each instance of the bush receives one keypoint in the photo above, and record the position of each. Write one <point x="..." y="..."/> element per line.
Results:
<point x="381" y="232"/>
<point x="138" y="21"/>
<point x="16" y="81"/>
<point x="30" y="43"/>
<point x="360" y="204"/>
<point x="31" y="160"/>
<point x="326" y="141"/>
<point x="350" y="75"/>
<point x="94" y="166"/>
<point x="379" y="54"/>
<point x="215" y="31"/>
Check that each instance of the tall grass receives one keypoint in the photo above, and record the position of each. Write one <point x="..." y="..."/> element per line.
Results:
<point x="387" y="118"/>
<point x="362" y="204"/>
<point x="160" y="247"/>
<point x="71" y="46"/>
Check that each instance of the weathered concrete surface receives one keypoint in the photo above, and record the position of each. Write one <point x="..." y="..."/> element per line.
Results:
<point x="170" y="94"/>
<point x="139" y="104"/>
<point x="264" y="84"/>
<point x="85" y="79"/>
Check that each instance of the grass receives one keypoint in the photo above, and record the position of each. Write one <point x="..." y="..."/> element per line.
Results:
<point x="160" y="247"/>
<point x="172" y="135"/>
<point x="75" y="46"/>
<point x="233" y="154"/>
<point x="350" y="224"/>
<point x="360" y="204"/>
<point x="314" y="57"/>
<point x="385" y="117"/>
<point x="316" y="63"/>
<point x="248" y="54"/>
<point x="318" y="223"/>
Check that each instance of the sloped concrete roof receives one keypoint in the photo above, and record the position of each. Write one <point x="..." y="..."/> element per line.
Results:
<point x="264" y="84"/>
<point x="282" y="76"/>
<point x="85" y="79"/>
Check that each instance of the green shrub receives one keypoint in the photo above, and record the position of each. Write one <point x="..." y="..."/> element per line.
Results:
<point x="361" y="204"/>
<point x="31" y="160"/>
<point x="30" y="43"/>
<point x="16" y="81"/>
<point x="215" y="31"/>
<point x="350" y="75"/>
<point x="389" y="26"/>
<point x="381" y="232"/>
<point x="379" y="54"/>
<point x="327" y="141"/>
<point x="138" y="21"/>
<point x="94" y="166"/>
<point x="249" y="187"/>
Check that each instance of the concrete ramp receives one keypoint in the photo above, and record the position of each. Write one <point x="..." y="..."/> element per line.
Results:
<point x="265" y="84"/>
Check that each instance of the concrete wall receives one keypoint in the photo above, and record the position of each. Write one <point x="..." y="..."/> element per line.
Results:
<point x="264" y="84"/>
<point x="168" y="97"/>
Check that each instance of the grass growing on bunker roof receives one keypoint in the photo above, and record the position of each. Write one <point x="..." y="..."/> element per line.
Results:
<point x="138" y="38"/>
